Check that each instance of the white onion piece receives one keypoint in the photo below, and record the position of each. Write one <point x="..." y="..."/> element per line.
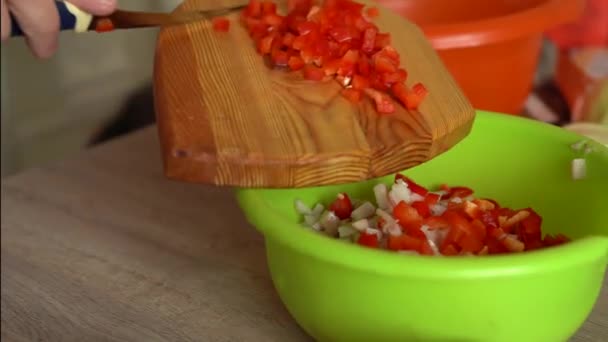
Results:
<point x="578" y="146"/>
<point x="318" y="210"/>
<point x="438" y="209"/>
<point x="364" y="211"/>
<point x="361" y="225"/>
<point x="381" y="193"/>
<point x="434" y="237"/>
<point x="392" y="229"/>
<point x="388" y="219"/>
<point x="414" y="197"/>
<point x="329" y="221"/>
<point x="316" y="226"/>
<point x="456" y="200"/>
<point x="346" y="231"/>
<point x="371" y="231"/>
<point x="311" y="219"/>
<point x="400" y="192"/>
<point x="302" y="208"/>
<point x="579" y="168"/>
<point x="356" y="202"/>
<point x="373" y="221"/>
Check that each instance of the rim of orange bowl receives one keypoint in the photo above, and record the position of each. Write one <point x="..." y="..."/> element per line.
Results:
<point x="277" y="226"/>
<point x="480" y="32"/>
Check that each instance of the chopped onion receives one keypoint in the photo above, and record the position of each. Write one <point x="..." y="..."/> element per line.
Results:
<point x="381" y="193"/>
<point x="400" y="192"/>
<point x="456" y="200"/>
<point x="578" y="146"/>
<point x="373" y="221"/>
<point x="316" y="226"/>
<point x="392" y="229"/>
<point x="364" y="211"/>
<point x="579" y="168"/>
<point x="388" y="219"/>
<point x="438" y="209"/>
<point x="329" y="221"/>
<point x="311" y="219"/>
<point x="302" y="208"/>
<point x="416" y="198"/>
<point x="356" y="202"/>
<point x="371" y="231"/>
<point x="361" y="225"/>
<point x="434" y="237"/>
<point x="318" y="210"/>
<point x="346" y="231"/>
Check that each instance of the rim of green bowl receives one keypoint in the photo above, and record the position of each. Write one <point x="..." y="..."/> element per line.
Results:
<point x="277" y="227"/>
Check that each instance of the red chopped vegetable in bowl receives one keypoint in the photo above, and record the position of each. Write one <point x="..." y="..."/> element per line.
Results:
<point x="334" y="39"/>
<point x="407" y="217"/>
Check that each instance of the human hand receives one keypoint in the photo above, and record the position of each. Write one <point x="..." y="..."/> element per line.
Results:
<point x="39" y="21"/>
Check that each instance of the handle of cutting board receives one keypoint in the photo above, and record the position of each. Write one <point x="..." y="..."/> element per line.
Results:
<point x="71" y="18"/>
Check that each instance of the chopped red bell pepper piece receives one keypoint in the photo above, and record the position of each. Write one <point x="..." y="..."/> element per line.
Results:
<point x="407" y="216"/>
<point x="342" y="206"/>
<point x="372" y="12"/>
<point x="413" y="186"/>
<point x="368" y="240"/>
<point x="313" y="73"/>
<point x="353" y="95"/>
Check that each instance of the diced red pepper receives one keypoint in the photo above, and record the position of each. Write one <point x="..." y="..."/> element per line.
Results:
<point x="436" y="222"/>
<point x="104" y="25"/>
<point x="369" y="40"/>
<point x="265" y="44"/>
<point x="415" y="98"/>
<point x="372" y="12"/>
<point x="269" y="7"/>
<point x="254" y="8"/>
<point x="342" y="206"/>
<point x="220" y="24"/>
<point x="413" y="186"/>
<point x="360" y="82"/>
<point x="279" y="58"/>
<point x="353" y="95"/>
<point x="382" y="40"/>
<point x="295" y="63"/>
<point x="384" y="105"/>
<point x="368" y="240"/>
<point x="407" y="216"/>
<point x="432" y="199"/>
<point x="313" y="73"/>
<point x="363" y="66"/>
<point x="422" y="208"/>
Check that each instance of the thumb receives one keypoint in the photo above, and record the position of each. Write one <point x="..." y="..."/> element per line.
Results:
<point x="95" y="7"/>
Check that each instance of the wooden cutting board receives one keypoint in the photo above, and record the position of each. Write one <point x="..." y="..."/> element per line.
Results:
<point x="225" y="118"/>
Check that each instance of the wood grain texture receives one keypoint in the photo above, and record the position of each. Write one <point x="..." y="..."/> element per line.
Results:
<point x="225" y="118"/>
<point x="105" y="248"/>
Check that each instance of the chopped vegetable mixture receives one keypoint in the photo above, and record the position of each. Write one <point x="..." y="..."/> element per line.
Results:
<point x="409" y="218"/>
<point x="333" y="40"/>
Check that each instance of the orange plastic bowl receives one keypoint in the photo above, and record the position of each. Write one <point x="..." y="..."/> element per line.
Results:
<point x="490" y="47"/>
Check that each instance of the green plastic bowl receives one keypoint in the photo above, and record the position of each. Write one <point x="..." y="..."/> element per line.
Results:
<point x="345" y="293"/>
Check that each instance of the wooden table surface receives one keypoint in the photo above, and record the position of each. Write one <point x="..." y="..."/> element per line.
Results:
<point x="103" y="248"/>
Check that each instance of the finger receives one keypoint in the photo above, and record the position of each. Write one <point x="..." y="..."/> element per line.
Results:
<point x="96" y="7"/>
<point x="5" y="21"/>
<point x="39" y="22"/>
